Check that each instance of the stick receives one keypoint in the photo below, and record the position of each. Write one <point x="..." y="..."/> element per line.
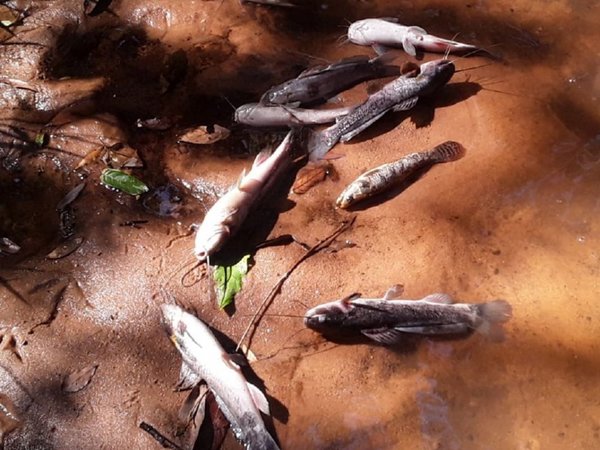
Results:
<point x="264" y="305"/>
<point x="166" y="443"/>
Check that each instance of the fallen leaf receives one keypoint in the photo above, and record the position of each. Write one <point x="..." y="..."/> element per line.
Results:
<point x="70" y="197"/>
<point x="91" y="156"/>
<point x="250" y="356"/>
<point x="122" y="181"/>
<point x="308" y="177"/>
<point x="205" y="135"/>
<point x="76" y="381"/>
<point x="229" y="280"/>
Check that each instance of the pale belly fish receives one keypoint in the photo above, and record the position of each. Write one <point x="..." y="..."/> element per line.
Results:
<point x="240" y="401"/>
<point x="323" y="82"/>
<point x="389" y="321"/>
<point x="382" y="33"/>
<point x="399" y="95"/>
<point x="227" y="215"/>
<point x="259" y="115"/>
<point x="388" y="175"/>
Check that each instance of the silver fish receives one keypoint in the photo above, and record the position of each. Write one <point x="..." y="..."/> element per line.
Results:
<point x="399" y="95"/>
<point x="240" y="401"/>
<point x="259" y="115"/>
<point x="227" y="215"/>
<point x="387" y="175"/>
<point x="388" y="33"/>
<point x="323" y="82"/>
<point x="388" y="321"/>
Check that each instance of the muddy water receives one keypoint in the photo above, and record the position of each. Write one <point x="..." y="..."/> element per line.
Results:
<point x="514" y="219"/>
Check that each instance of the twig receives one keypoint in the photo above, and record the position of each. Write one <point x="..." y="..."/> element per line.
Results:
<point x="264" y="305"/>
<point x="165" y="442"/>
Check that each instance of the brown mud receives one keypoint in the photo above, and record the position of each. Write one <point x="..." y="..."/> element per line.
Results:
<point x="516" y="218"/>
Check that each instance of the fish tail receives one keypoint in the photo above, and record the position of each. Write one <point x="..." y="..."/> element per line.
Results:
<point x="492" y="315"/>
<point x="320" y="142"/>
<point x="447" y="151"/>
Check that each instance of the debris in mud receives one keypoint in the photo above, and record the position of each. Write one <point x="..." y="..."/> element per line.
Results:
<point x="192" y="413"/>
<point x="9" y="420"/>
<point x="164" y="201"/>
<point x="94" y="8"/>
<point x="122" y="181"/>
<point x="229" y="280"/>
<point x="9" y="247"/>
<point x="162" y="440"/>
<point x="76" y="381"/>
<point x="205" y="135"/>
<point x="65" y="248"/>
<point x="41" y="139"/>
<point x="70" y="197"/>
<point x="66" y="222"/>
<point x="155" y="123"/>
<point x="120" y="156"/>
<point x="8" y="341"/>
<point x="311" y="175"/>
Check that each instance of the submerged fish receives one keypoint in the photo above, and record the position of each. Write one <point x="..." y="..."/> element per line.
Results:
<point x="387" y="175"/>
<point x="323" y="82"/>
<point x="240" y="401"/>
<point x="259" y="115"/>
<point x="399" y="95"/>
<point x="381" y="33"/>
<point x="388" y="321"/>
<point x="227" y="215"/>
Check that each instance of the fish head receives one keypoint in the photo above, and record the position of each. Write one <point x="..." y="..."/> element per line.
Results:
<point x="279" y="96"/>
<point x="328" y="315"/>
<point x="188" y="333"/>
<point x="359" y="31"/>
<point x="209" y="239"/>
<point x="244" y="113"/>
<point x="438" y="72"/>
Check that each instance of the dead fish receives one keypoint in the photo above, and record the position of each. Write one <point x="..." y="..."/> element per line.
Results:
<point x="259" y="115"/>
<point x="323" y="82"/>
<point x="240" y="401"/>
<point x="227" y="215"/>
<point x="386" y="32"/>
<point x="387" y="175"/>
<point x="387" y="321"/>
<point x="399" y="95"/>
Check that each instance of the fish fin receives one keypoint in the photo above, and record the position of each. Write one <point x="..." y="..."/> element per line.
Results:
<point x="443" y="299"/>
<point x="394" y="292"/>
<point x="408" y="46"/>
<point x="260" y="158"/>
<point x="448" y="151"/>
<point x="187" y="378"/>
<point x="238" y="359"/>
<point x="406" y="104"/>
<point x="350" y="61"/>
<point x="417" y="30"/>
<point x="331" y="156"/>
<point x="493" y="314"/>
<point x="450" y="328"/>
<point x="240" y="179"/>
<point x="348" y="298"/>
<point x="319" y="143"/>
<point x="389" y="19"/>
<point x="385" y="336"/>
<point x="381" y="49"/>
<point x="259" y="398"/>
<point x="346" y="137"/>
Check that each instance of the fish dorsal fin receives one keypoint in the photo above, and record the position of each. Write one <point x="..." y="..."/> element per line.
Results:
<point x="260" y="158"/>
<point x="350" y="61"/>
<point x="187" y="378"/>
<point x="443" y="299"/>
<point x="417" y="30"/>
<point x="259" y="398"/>
<point x="385" y="336"/>
<point x="348" y="298"/>
<point x="389" y="19"/>
<point x="394" y="292"/>
<point x="408" y="46"/>
<point x="406" y="104"/>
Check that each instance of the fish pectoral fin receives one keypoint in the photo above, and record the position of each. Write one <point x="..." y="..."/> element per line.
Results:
<point x="390" y="19"/>
<point x="406" y="104"/>
<point x="408" y="46"/>
<point x="346" y="137"/>
<point x="432" y="330"/>
<point x="260" y="400"/>
<point x="260" y="158"/>
<point x="238" y="359"/>
<point x="394" y="292"/>
<point x="444" y="299"/>
<point x="381" y="49"/>
<point x="417" y="30"/>
<point x="385" y="336"/>
<point x="187" y="378"/>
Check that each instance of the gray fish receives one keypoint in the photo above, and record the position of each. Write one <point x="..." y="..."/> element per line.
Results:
<point x="323" y="82"/>
<point x="387" y="175"/>
<point x="388" y="321"/>
<point x="399" y="95"/>
<point x="259" y="115"/>
<point x="239" y="400"/>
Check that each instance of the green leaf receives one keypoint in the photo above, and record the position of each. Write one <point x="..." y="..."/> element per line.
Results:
<point x="123" y="181"/>
<point x="41" y="139"/>
<point x="229" y="280"/>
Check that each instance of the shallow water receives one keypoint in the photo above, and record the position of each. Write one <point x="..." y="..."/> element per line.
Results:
<point x="513" y="219"/>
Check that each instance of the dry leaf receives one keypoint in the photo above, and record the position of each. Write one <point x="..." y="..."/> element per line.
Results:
<point x="250" y="356"/>
<point x="309" y="176"/>
<point x="79" y="379"/>
<point x="65" y="249"/>
<point x="91" y="156"/>
<point x="205" y="135"/>
<point x="70" y="197"/>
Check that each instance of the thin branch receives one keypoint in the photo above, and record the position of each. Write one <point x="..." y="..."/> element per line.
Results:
<point x="165" y="442"/>
<point x="264" y="305"/>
